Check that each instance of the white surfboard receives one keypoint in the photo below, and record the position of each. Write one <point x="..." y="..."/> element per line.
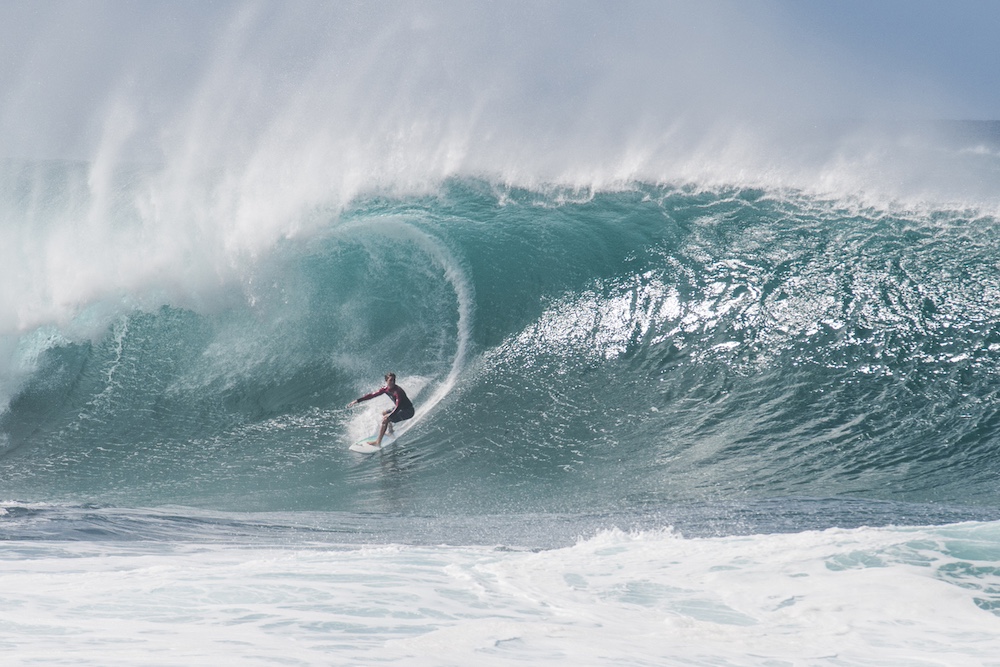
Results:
<point x="367" y="445"/>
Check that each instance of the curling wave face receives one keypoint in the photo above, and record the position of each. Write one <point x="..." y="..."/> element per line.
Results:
<point x="564" y="348"/>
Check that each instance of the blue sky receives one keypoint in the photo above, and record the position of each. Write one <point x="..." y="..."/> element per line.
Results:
<point x="953" y="45"/>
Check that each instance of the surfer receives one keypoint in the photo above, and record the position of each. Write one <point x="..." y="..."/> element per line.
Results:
<point x="402" y="409"/>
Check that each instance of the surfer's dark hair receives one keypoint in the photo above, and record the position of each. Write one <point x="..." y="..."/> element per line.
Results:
<point x="390" y="375"/>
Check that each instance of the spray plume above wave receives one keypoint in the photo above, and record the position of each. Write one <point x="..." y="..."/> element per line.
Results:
<point x="317" y="102"/>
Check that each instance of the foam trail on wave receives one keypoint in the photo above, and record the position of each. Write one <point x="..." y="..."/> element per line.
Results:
<point x="464" y="295"/>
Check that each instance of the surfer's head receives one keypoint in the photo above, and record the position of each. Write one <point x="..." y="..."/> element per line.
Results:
<point x="390" y="379"/>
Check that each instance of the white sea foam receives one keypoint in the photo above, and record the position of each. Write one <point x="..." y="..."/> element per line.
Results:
<point x="837" y="597"/>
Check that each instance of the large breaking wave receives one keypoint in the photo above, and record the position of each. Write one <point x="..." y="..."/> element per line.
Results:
<point x="651" y="344"/>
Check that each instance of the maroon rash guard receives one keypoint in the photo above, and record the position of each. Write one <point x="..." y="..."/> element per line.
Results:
<point x="403" y="409"/>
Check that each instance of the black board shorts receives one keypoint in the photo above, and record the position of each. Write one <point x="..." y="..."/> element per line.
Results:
<point x="401" y="414"/>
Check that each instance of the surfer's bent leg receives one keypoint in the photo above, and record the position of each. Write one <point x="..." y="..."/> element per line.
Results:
<point x="388" y="419"/>
<point x="381" y="432"/>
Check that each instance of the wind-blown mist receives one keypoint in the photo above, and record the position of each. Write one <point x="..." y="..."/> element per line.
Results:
<point x="349" y="96"/>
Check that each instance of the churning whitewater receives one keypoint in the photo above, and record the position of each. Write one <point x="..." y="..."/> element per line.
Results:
<point x="704" y="373"/>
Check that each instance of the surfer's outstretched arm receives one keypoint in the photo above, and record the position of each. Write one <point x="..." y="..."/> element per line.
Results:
<point x="367" y="397"/>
